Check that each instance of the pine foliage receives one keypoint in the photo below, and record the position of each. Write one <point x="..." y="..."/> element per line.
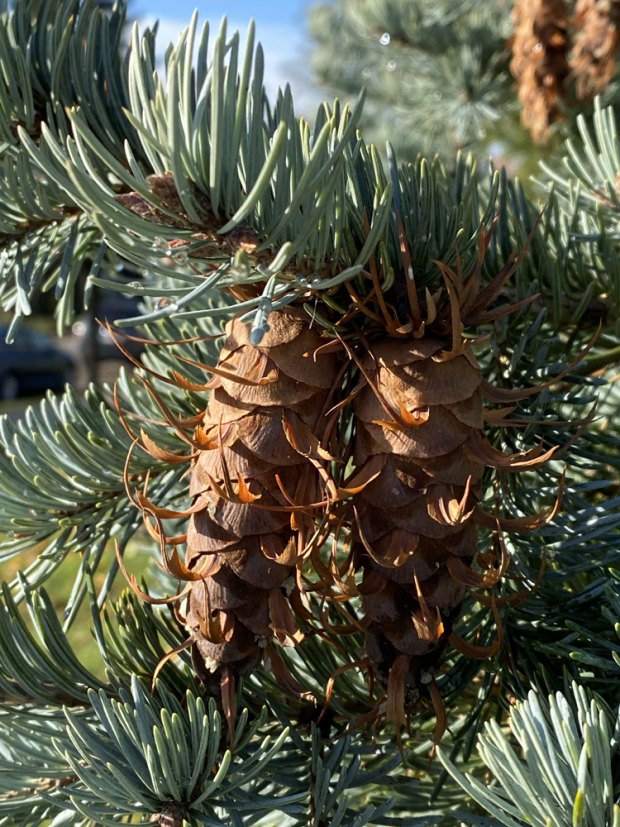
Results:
<point x="568" y="746"/>
<point x="229" y="204"/>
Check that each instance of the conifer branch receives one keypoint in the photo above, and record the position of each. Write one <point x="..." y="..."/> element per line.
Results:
<point x="236" y="207"/>
<point x="564" y="773"/>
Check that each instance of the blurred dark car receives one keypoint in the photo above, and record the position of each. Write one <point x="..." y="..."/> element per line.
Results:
<point x="94" y="340"/>
<point x="32" y="364"/>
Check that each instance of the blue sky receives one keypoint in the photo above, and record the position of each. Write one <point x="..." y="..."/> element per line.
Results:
<point x="281" y="28"/>
<point x="263" y="11"/>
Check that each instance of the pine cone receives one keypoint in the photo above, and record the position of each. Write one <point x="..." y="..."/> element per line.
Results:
<point x="540" y="63"/>
<point x="260" y="455"/>
<point x="593" y="57"/>
<point x="417" y="411"/>
<point x="419" y="417"/>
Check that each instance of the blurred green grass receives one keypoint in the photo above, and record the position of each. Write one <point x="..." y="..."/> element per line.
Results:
<point x="58" y="586"/>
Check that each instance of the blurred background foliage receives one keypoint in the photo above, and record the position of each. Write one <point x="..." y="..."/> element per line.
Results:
<point x="469" y="74"/>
